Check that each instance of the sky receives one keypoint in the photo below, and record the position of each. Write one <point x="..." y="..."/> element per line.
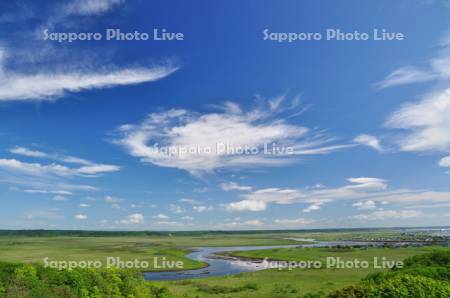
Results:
<point x="225" y="124"/>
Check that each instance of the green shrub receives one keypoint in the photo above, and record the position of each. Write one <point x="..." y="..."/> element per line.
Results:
<point x="35" y="281"/>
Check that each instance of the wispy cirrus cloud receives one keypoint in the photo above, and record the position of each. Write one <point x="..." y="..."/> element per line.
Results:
<point x="57" y="178"/>
<point x="233" y="138"/>
<point x="423" y="125"/>
<point x="407" y="75"/>
<point x="435" y="69"/>
<point x="87" y="167"/>
<point x="229" y="186"/>
<point x="369" y="141"/>
<point x="51" y="85"/>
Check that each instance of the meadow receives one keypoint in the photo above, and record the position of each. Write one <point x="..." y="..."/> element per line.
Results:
<point x="298" y="282"/>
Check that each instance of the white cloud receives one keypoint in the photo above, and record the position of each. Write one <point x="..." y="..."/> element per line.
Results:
<point x="229" y="186"/>
<point x="83" y="205"/>
<point x="253" y="222"/>
<point x="135" y="218"/>
<point x="45" y="191"/>
<point x="81" y="216"/>
<point x="28" y="152"/>
<point x="48" y="86"/>
<point x="247" y="205"/>
<point x="115" y="206"/>
<point x="365" y="205"/>
<point x="424" y="125"/>
<point x="244" y="224"/>
<point x="45" y="86"/>
<point x="360" y="189"/>
<point x="112" y="200"/>
<point x="90" y="7"/>
<point x="175" y="208"/>
<point x="293" y="222"/>
<point x="445" y="162"/>
<point x="313" y="207"/>
<point x="437" y="68"/>
<point x="384" y="214"/>
<point x="87" y="168"/>
<point x="368" y="140"/>
<point x="161" y="216"/>
<point x="190" y="201"/>
<point x="367" y="183"/>
<point x="201" y="143"/>
<point x="202" y="208"/>
<point x="406" y="75"/>
<point x="59" y="198"/>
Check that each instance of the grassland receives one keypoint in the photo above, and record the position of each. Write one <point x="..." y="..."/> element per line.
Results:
<point x="174" y="247"/>
<point x="294" y="283"/>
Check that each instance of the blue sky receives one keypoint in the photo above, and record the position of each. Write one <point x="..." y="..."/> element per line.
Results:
<point x="361" y="128"/>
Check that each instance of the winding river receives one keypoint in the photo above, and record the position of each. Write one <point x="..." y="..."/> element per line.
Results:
<point x="219" y="266"/>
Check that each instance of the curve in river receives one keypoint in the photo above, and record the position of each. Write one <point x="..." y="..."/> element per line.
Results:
<point x="219" y="266"/>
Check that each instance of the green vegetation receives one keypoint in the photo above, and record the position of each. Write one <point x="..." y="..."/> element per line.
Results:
<point x="22" y="273"/>
<point x="297" y="282"/>
<point x="35" y="281"/>
<point x="144" y="248"/>
<point x="423" y="276"/>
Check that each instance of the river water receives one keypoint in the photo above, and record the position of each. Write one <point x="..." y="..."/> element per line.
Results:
<point x="219" y="266"/>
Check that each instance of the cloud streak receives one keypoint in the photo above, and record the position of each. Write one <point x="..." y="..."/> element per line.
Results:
<point x="234" y="138"/>
<point x="49" y="86"/>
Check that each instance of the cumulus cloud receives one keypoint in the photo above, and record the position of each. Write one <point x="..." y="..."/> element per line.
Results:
<point x="364" y="205"/>
<point x="112" y="200"/>
<point x="247" y="205"/>
<point x="444" y="162"/>
<point x="367" y="190"/>
<point x="175" y="208"/>
<point x="190" y="201"/>
<point x="90" y="7"/>
<point x="81" y="216"/>
<point x="313" y="207"/>
<point x="232" y="138"/>
<point x="161" y="216"/>
<point x="369" y="141"/>
<point x="202" y="208"/>
<point x="244" y="224"/>
<point x="293" y="222"/>
<point x="385" y="214"/>
<point x="133" y="219"/>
